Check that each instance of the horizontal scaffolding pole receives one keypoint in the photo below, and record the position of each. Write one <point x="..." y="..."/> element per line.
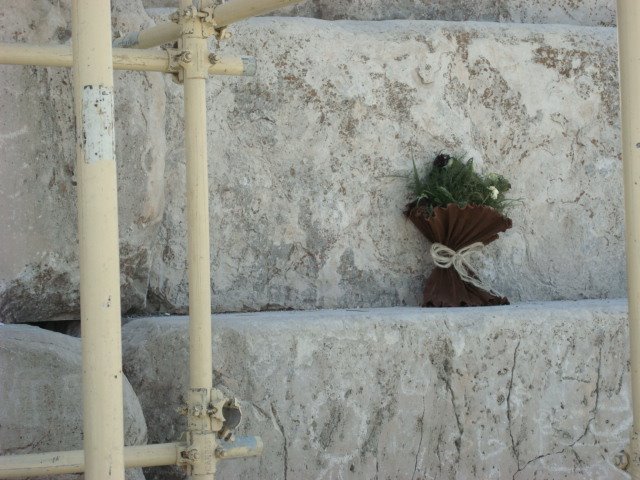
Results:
<point x="58" y="463"/>
<point x="123" y="59"/>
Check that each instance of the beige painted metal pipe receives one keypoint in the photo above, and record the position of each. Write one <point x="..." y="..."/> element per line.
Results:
<point x="151" y="37"/>
<point x="123" y="59"/>
<point x="201" y="436"/>
<point x="58" y="463"/>
<point x="195" y="126"/>
<point x="62" y="56"/>
<point x="98" y="237"/>
<point x="236" y="10"/>
<point x="629" y="62"/>
<point x="44" y="55"/>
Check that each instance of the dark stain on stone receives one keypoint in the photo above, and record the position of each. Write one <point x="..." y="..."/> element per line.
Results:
<point x="352" y="277"/>
<point x="400" y="97"/>
<point x="41" y="294"/>
<point x="332" y="426"/>
<point x="568" y="63"/>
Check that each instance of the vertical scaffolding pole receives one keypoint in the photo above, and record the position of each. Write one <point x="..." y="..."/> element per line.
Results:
<point x="98" y="238"/>
<point x="202" y="437"/>
<point x="629" y="62"/>
<point x="195" y="123"/>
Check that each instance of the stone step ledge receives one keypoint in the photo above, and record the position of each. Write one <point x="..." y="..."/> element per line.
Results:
<point x="534" y="390"/>
<point x="590" y="12"/>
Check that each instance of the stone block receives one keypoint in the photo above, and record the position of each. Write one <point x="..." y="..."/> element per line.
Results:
<point x="309" y="161"/>
<point x="39" y="276"/>
<point x="527" y="391"/>
<point x="41" y="396"/>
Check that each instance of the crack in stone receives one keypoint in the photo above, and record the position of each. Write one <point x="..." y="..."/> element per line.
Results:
<point x="514" y="446"/>
<point x="284" y="440"/>
<point x="424" y="409"/>
<point x="595" y="403"/>
<point x="439" y="443"/>
<point x="458" y="441"/>
<point x="260" y="409"/>
<point x="593" y="412"/>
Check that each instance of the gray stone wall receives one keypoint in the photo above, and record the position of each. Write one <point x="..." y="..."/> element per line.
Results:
<point x="39" y="257"/>
<point x="41" y="396"/>
<point x="307" y="159"/>
<point x="534" y="391"/>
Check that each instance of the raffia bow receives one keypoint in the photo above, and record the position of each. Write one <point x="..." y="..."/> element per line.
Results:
<point x="445" y="257"/>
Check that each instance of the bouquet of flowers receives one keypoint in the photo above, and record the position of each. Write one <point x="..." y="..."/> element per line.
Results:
<point x="459" y="211"/>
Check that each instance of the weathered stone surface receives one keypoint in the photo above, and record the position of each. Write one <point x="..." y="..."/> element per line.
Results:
<point x="528" y="391"/>
<point x="41" y="395"/>
<point x="584" y="12"/>
<point x="305" y="160"/>
<point x="39" y="263"/>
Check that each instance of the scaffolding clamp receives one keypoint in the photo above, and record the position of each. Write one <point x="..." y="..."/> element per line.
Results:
<point x="211" y="420"/>
<point x="198" y="455"/>
<point x="211" y="411"/>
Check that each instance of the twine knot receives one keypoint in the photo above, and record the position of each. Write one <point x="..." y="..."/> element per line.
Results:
<point x="445" y="257"/>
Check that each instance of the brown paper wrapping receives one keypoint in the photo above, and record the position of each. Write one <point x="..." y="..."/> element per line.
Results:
<point x="456" y="228"/>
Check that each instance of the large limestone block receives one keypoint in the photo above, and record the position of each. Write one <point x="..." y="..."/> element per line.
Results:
<point x="41" y="395"/>
<point x="528" y="391"/>
<point x="584" y="12"/>
<point x="306" y="158"/>
<point x="39" y="261"/>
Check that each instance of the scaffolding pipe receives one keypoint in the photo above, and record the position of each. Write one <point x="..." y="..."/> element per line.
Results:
<point x="60" y="463"/>
<point x="209" y="413"/>
<point x="62" y="56"/>
<point x="629" y="63"/>
<point x="102" y="391"/>
<point x="123" y="59"/>
<point x="198" y="263"/>
<point x="151" y="37"/>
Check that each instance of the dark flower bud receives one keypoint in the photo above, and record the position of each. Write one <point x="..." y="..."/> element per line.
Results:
<point x="441" y="160"/>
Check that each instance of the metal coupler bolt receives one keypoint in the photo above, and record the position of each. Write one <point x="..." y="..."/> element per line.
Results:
<point x="197" y="411"/>
<point x="193" y="454"/>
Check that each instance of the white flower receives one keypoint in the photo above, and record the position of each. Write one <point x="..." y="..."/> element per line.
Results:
<point x="494" y="192"/>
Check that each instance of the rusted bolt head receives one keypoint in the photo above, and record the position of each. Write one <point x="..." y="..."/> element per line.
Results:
<point x="193" y="454"/>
